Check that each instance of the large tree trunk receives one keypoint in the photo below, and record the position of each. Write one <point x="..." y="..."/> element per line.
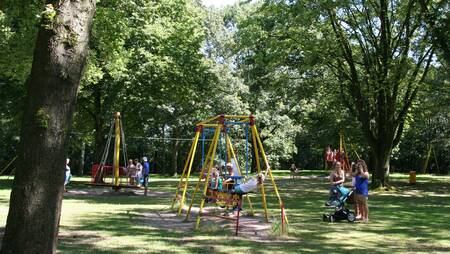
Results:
<point x="380" y="175"/>
<point x="59" y="58"/>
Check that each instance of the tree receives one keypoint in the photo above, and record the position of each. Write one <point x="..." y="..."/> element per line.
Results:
<point x="59" y="58"/>
<point x="378" y="53"/>
<point x="381" y="59"/>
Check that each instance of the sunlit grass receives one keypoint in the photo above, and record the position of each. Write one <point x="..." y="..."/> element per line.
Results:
<point x="412" y="218"/>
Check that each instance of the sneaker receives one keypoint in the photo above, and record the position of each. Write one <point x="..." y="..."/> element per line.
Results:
<point x="236" y="209"/>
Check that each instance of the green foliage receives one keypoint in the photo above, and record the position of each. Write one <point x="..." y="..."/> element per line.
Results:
<point x="48" y="17"/>
<point x="169" y="64"/>
<point x="42" y="117"/>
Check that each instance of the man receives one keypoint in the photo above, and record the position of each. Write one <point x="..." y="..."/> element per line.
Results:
<point x="145" y="171"/>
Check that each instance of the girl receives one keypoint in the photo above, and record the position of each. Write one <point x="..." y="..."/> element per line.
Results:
<point x="362" y="189"/>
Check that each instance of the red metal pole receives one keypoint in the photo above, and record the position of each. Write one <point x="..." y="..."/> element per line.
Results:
<point x="282" y="218"/>
<point x="238" y="212"/>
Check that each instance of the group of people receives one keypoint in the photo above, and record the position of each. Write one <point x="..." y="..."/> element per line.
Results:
<point x="138" y="173"/>
<point x="360" y="184"/>
<point x="331" y="156"/>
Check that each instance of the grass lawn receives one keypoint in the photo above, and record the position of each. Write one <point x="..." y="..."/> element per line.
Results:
<point x="411" y="219"/>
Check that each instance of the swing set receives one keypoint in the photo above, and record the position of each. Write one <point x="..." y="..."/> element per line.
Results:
<point x="115" y="175"/>
<point x="220" y="127"/>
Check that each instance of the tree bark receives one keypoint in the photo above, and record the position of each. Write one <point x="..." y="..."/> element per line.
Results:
<point x="381" y="160"/>
<point x="59" y="58"/>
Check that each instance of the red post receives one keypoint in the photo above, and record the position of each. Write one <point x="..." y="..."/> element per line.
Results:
<point x="198" y="128"/>
<point x="282" y="218"/>
<point x="252" y="120"/>
<point x="238" y="213"/>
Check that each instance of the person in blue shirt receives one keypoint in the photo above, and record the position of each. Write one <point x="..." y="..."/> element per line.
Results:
<point x="145" y="171"/>
<point x="362" y="189"/>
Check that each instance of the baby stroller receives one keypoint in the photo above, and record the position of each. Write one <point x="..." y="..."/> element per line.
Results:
<point x="339" y="195"/>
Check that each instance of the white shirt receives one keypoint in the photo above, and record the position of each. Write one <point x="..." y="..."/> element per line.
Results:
<point x="249" y="186"/>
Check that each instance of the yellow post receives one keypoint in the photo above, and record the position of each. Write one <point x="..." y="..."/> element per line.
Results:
<point x="232" y="154"/>
<point x="258" y="166"/>
<point x="341" y="137"/>
<point x="263" y="153"/>
<point x="269" y="171"/>
<point x="205" y="165"/>
<point x="197" y="134"/>
<point x="211" y="162"/>
<point x="208" y="120"/>
<point x="230" y="146"/>
<point x="116" y="148"/>
<point x="250" y="204"/>
<point x="183" y="174"/>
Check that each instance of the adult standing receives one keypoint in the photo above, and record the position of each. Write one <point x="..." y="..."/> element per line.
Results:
<point x="67" y="174"/>
<point x="145" y="171"/>
<point x="131" y="172"/>
<point x="139" y="168"/>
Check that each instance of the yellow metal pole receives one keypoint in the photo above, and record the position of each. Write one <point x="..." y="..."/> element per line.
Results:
<point x="232" y="154"/>
<point x="210" y="125"/>
<point x="208" y="120"/>
<point x="258" y="166"/>
<point x="263" y="153"/>
<point x="269" y="171"/>
<point x="230" y="145"/>
<point x="250" y="204"/>
<point x="280" y="202"/>
<point x="205" y="165"/>
<point x="205" y="188"/>
<point x="183" y="174"/>
<point x="116" y="148"/>
<point x="197" y="134"/>
<point x="235" y="116"/>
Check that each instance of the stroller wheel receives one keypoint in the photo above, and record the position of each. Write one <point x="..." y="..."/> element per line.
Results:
<point x="325" y="217"/>
<point x="331" y="218"/>
<point x="351" y="217"/>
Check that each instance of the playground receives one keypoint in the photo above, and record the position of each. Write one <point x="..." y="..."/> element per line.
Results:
<point x="224" y="126"/>
<point x="413" y="218"/>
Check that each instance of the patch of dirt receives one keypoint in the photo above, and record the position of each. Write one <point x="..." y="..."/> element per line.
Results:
<point x="250" y="227"/>
<point x="108" y="192"/>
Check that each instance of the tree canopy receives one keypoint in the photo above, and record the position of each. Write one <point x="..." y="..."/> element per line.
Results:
<point x="305" y="69"/>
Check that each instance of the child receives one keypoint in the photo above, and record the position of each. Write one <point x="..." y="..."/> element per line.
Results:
<point x="250" y="185"/>
<point x="215" y="184"/>
<point x="355" y="204"/>
<point x="362" y="189"/>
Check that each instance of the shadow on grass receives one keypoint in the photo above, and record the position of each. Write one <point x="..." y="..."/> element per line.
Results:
<point x="411" y="219"/>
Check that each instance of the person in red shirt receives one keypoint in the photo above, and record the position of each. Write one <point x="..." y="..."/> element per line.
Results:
<point x="329" y="158"/>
